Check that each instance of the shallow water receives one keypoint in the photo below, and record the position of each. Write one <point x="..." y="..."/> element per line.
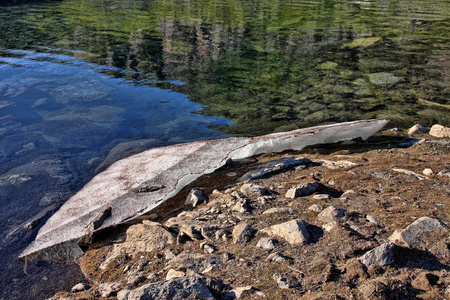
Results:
<point x="78" y="77"/>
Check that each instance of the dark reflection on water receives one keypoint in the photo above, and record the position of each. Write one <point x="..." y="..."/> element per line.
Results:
<point x="78" y="77"/>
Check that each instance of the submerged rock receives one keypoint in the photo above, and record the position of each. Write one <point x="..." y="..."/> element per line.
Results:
<point x="384" y="79"/>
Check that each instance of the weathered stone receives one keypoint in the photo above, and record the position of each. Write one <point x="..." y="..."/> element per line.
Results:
<point x="384" y="79"/>
<point x="445" y="173"/>
<point x="267" y="243"/>
<point x="241" y="206"/>
<point x="108" y="289"/>
<point x="241" y="292"/>
<point x="349" y="194"/>
<point x="322" y="197"/>
<point x="146" y="237"/>
<point x="316" y="208"/>
<point x="191" y="287"/>
<point x="249" y="189"/>
<point x="427" y="172"/>
<point x="195" y="198"/>
<point x="411" y="234"/>
<point x="283" y="281"/>
<point x="305" y="189"/>
<point x="80" y="287"/>
<point x="440" y="131"/>
<point x="339" y="164"/>
<point x="331" y="214"/>
<point x="380" y="256"/>
<point x="209" y="248"/>
<point x="242" y="233"/>
<point x="278" y="210"/>
<point x="277" y="257"/>
<point x="410" y="173"/>
<point x="174" y="274"/>
<point x="371" y="219"/>
<point x="417" y="129"/>
<point x="101" y="217"/>
<point x="274" y="166"/>
<point x="294" y="231"/>
<point x="209" y="232"/>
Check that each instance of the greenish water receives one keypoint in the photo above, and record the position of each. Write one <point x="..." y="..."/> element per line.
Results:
<point x="265" y="65"/>
<point x="78" y="77"/>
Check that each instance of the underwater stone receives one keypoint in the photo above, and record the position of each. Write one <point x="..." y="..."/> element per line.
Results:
<point x="384" y="79"/>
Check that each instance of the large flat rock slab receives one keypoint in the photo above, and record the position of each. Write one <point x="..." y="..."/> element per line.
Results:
<point x="136" y="185"/>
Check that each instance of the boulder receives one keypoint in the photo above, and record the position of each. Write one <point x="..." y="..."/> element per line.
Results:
<point x="190" y="287"/>
<point x="317" y="208"/>
<point x="331" y="214"/>
<point x="146" y="237"/>
<point x="80" y="287"/>
<point x="267" y="243"/>
<point x="380" y="256"/>
<point x="294" y="231"/>
<point x="440" y="131"/>
<point x="249" y="189"/>
<point x="411" y="234"/>
<point x="174" y="274"/>
<point x="242" y="233"/>
<point x="417" y="129"/>
<point x="195" y="198"/>
<point x="278" y="210"/>
<point x="305" y="189"/>
<point x="108" y="289"/>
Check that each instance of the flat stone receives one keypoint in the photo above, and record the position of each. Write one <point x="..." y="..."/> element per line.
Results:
<point x="305" y="189"/>
<point x="278" y="210"/>
<point x="242" y="233"/>
<point x="336" y="164"/>
<point x="411" y="173"/>
<point x="274" y="166"/>
<point x="380" y="256"/>
<point x="322" y="197"/>
<point x="349" y="194"/>
<point x="331" y="214"/>
<point x="267" y="243"/>
<point x="294" y="231"/>
<point x="440" y="131"/>
<point x="242" y="292"/>
<point x="411" y="234"/>
<point x="249" y="189"/>
<point x="445" y="173"/>
<point x="371" y="219"/>
<point x="417" y="129"/>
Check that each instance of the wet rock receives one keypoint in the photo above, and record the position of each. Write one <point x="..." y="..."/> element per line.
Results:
<point x="174" y="274"/>
<point x="267" y="243"/>
<point x="380" y="256"/>
<point x="363" y="42"/>
<point x="384" y="79"/>
<point x="417" y="129"/>
<point x="305" y="189"/>
<point x="278" y="210"/>
<point x="331" y="214"/>
<point x="316" y="208"/>
<point x="242" y="233"/>
<point x="294" y="231"/>
<point x="108" y="289"/>
<point x="80" y="287"/>
<point x="191" y="287"/>
<point x="195" y="198"/>
<point x="274" y="166"/>
<point x="412" y="233"/>
<point x="440" y="131"/>
<point x="329" y="65"/>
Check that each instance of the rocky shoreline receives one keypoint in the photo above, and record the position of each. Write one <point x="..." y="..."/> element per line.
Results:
<point x="350" y="221"/>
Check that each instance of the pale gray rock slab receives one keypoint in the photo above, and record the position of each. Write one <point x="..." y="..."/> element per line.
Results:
<point x="445" y="173"/>
<point x="412" y="234"/>
<point x="136" y="185"/>
<point x="241" y="292"/>
<point x="108" y="289"/>
<point x="382" y="255"/>
<point x="278" y="210"/>
<point x="250" y="189"/>
<point x="242" y="233"/>
<point x="317" y="208"/>
<point x="384" y="79"/>
<point x="410" y="173"/>
<point x="331" y="214"/>
<point x="336" y="164"/>
<point x="440" y="131"/>
<point x="294" y="232"/>
<point x="80" y="287"/>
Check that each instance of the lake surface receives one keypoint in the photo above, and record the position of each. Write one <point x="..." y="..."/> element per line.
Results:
<point x="79" y="77"/>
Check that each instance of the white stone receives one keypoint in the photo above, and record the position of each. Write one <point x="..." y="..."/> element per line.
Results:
<point x="427" y="172"/>
<point x="294" y="231"/>
<point x="174" y="274"/>
<point x="440" y="131"/>
<point x="331" y="214"/>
